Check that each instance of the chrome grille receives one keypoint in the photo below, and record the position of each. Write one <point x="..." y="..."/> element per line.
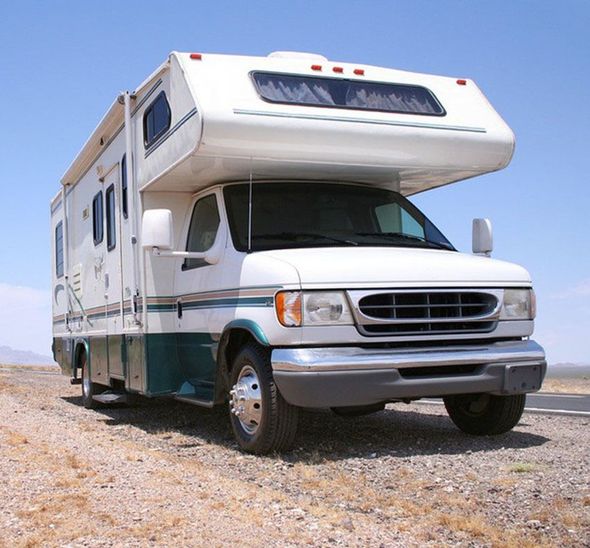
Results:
<point x="414" y="312"/>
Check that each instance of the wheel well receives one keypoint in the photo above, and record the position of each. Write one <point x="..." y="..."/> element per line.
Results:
<point x="230" y="344"/>
<point x="79" y="352"/>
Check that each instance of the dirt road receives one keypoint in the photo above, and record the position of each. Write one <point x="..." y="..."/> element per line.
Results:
<point x="164" y="473"/>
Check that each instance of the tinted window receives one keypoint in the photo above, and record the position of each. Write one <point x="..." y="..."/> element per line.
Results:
<point x="111" y="224"/>
<point x="124" y="185"/>
<point x="290" y="215"/>
<point x="97" y="226"/>
<point x="203" y="229"/>
<point x="59" y="250"/>
<point x="352" y="94"/>
<point x="156" y="119"/>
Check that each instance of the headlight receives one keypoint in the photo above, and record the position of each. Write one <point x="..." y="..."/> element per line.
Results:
<point x="296" y="308"/>
<point x="519" y="304"/>
<point x="326" y="308"/>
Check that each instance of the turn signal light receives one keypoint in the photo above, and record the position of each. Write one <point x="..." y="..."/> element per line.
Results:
<point x="288" y="305"/>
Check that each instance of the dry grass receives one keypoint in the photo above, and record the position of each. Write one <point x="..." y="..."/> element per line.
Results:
<point x="20" y="367"/>
<point x="523" y="467"/>
<point x="568" y="386"/>
<point x="14" y="439"/>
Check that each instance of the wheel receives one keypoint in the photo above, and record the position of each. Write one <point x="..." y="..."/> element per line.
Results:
<point x="262" y="421"/>
<point x="89" y="388"/>
<point x="358" y="410"/>
<point x="485" y="414"/>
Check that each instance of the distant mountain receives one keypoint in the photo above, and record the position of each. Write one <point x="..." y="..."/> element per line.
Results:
<point x="10" y="356"/>
<point x="567" y="370"/>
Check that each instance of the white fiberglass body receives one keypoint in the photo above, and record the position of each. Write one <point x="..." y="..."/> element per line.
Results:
<point x="234" y="209"/>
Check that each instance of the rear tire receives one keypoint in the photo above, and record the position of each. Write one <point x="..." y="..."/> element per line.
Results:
<point x="485" y="414"/>
<point x="89" y="388"/>
<point x="262" y="421"/>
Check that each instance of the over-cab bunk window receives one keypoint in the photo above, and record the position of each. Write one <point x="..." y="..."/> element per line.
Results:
<point x="97" y="222"/>
<point x="59" y="250"/>
<point x="347" y="94"/>
<point x="156" y="119"/>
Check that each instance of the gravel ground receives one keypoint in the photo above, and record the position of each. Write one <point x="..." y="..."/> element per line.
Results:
<point x="164" y="473"/>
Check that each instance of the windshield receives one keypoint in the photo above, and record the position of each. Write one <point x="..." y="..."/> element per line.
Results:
<point x="313" y="214"/>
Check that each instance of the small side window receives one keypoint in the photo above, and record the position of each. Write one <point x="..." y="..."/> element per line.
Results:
<point x="124" y="186"/>
<point x="111" y="223"/>
<point x="97" y="222"/>
<point x="202" y="230"/>
<point x="156" y="119"/>
<point x="59" y="250"/>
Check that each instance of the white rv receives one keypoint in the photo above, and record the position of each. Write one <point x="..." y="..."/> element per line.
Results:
<point x="237" y="231"/>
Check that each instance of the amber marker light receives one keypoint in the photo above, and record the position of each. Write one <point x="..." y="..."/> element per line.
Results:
<point x="288" y="306"/>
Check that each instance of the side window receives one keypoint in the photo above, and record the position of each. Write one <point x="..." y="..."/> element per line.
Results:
<point x="124" y="186"/>
<point x="59" y="250"/>
<point x="97" y="226"/>
<point x="411" y="226"/>
<point x="111" y="224"/>
<point x="394" y="218"/>
<point x="202" y="230"/>
<point x="156" y="119"/>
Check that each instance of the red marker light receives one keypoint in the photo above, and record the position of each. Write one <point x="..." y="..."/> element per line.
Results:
<point x="339" y="70"/>
<point x="462" y="82"/>
<point x="359" y="72"/>
<point x="196" y="56"/>
<point x="316" y="67"/>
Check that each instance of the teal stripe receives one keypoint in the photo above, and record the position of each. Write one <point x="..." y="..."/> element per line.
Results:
<point x="360" y="120"/>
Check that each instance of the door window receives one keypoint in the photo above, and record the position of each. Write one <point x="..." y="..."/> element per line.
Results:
<point x="97" y="226"/>
<point x="202" y="230"/>
<point x="111" y="226"/>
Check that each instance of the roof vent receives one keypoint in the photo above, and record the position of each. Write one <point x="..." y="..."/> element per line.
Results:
<point x="297" y="55"/>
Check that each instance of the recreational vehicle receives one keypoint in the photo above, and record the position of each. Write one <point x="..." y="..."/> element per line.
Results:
<point x="237" y="231"/>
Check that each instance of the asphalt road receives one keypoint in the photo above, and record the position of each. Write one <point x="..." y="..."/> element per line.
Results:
<point x="570" y="404"/>
<point x="551" y="403"/>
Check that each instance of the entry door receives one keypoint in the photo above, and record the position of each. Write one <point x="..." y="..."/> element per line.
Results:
<point x="196" y="284"/>
<point x="113" y="272"/>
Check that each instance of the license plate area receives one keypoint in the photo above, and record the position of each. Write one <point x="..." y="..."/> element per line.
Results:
<point x="519" y="379"/>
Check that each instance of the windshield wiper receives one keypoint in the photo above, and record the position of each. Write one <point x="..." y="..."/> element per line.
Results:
<point x="404" y="236"/>
<point x="292" y="236"/>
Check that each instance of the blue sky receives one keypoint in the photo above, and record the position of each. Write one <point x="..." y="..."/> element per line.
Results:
<point x="63" y="62"/>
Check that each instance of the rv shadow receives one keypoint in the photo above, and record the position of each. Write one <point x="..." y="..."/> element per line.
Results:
<point x="322" y="436"/>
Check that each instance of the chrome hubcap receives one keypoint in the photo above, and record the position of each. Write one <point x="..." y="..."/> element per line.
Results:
<point x="86" y="383"/>
<point x="246" y="400"/>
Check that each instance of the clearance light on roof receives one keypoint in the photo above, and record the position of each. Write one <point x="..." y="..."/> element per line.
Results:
<point x="196" y="56"/>
<point x="462" y="82"/>
<point x="316" y="67"/>
<point x="339" y="70"/>
<point x="359" y="72"/>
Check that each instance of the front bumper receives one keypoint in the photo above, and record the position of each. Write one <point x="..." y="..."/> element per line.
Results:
<point x="350" y="376"/>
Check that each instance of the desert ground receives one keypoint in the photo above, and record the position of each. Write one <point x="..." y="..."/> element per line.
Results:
<point x="164" y="473"/>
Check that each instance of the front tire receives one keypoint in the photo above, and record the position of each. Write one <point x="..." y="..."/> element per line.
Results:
<point x="262" y="421"/>
<point x="485" y="414"/>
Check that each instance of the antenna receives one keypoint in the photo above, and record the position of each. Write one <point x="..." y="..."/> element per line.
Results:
<point x="250" y="210"/>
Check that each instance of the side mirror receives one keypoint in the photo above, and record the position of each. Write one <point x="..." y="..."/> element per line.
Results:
<point x="156" y="229"/>
<point x="157" y="236"/>
<point x="482" y="239"/>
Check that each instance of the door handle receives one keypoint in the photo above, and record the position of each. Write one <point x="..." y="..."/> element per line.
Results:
<point x="179" y="308"/>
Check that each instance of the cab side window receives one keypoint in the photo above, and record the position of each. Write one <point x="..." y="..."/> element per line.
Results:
<point x="203" y="230"/>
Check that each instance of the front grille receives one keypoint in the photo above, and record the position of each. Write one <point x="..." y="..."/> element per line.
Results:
<point x="427" y="312"/>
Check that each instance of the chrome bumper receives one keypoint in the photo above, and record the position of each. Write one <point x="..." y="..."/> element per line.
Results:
<point x="349" y="359"/>
<point x="337" y="376"/>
